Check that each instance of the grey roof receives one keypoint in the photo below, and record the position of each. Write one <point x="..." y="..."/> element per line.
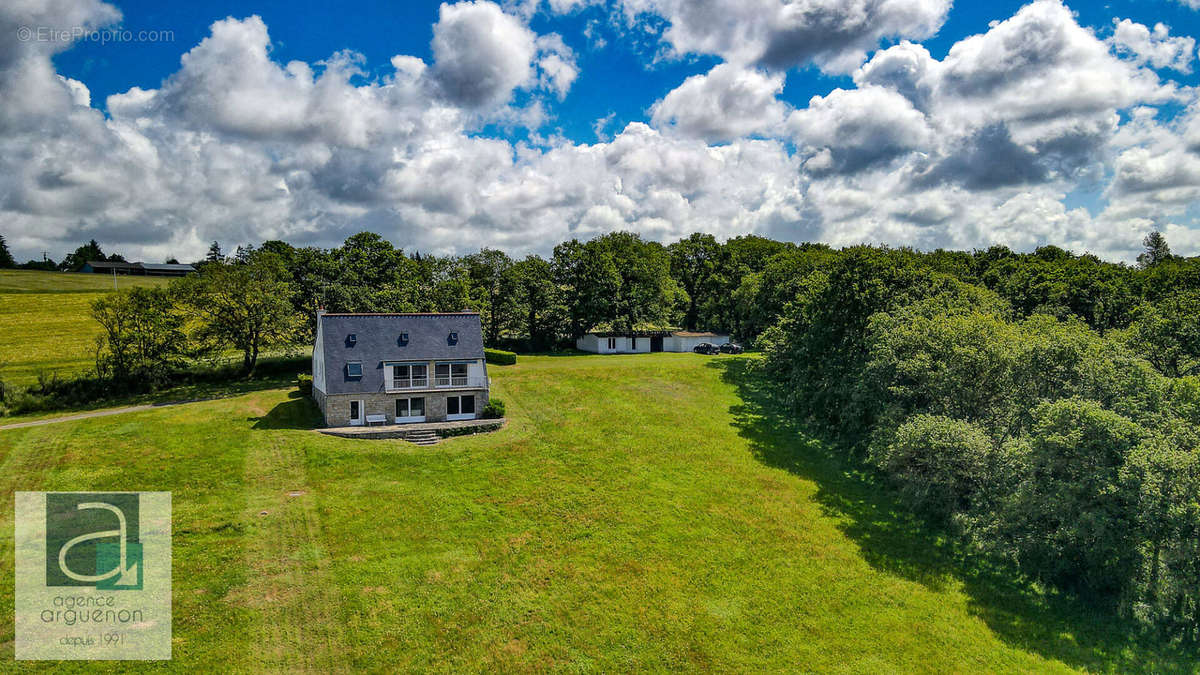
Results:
<point x="105" y="265"/>
<point x="166" y="267"/>
<point x="378" y="340"/>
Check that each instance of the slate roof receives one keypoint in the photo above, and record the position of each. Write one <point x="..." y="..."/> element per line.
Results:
<point x="166" y="267"/>
<point x="378" y="340"/>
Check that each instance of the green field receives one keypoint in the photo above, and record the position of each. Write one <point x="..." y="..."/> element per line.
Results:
<point x="644" y="512"/>
<point x="47" y="324"/>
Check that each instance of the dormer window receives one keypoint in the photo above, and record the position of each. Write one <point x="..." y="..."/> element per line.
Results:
<point x="354" y="369"/>
<point x="453" y="339"/>
<point x="351" y="340"/>
<point x="403" y="340"/>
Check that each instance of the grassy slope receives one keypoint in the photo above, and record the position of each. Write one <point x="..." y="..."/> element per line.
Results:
<point x="47" y="321"/>
<point x="639" y="512"/>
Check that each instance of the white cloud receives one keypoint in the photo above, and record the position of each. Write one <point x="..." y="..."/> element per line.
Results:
<point x="780" y="34"/>
<point x="1155" y="47"/>
<point x="480" y="53"/>
<point x="849" y="131"/>
<point x="726" y="103"/>
<point x="556" y="65"/>
<point x="977" y="148"/>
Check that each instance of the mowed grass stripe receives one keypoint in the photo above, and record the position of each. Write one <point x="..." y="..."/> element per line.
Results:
<point x="289" y="585"/>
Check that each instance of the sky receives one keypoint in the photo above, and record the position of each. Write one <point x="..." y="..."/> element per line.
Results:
<point x="157" y="128"/>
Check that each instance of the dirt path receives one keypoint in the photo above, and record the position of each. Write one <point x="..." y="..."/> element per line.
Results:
<point x="97" y="413"/>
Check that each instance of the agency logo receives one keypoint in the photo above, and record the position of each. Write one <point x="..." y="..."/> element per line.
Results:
<point x="92" y="540"/>
<point x="93" y="575"/>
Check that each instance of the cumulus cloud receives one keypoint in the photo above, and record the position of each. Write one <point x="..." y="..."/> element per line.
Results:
<point x="849" y="131"/>
<point x="1155" y="47"/>
<point x="480" y="53"/>
<point x="976" y="148"/>
<point x="727" y="102"/>
<point x="781" y="34"/>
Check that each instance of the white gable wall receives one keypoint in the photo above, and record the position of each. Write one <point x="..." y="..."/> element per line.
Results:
<point x="318" y="362"/>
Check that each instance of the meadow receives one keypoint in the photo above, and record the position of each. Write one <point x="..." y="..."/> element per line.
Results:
<point x="644" y="512"/>
<point x="47" y="323"/>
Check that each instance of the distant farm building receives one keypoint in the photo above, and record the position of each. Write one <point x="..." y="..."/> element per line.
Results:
<point x="643" y="342"/>
<point x="137" y="268"/>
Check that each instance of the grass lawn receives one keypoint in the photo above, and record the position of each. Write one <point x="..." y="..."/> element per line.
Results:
<point x="47" y="321"/>
<point x="645" y="512"/>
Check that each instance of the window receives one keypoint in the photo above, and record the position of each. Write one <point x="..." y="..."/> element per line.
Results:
<point x="450" y="374"/>
<point x="403" y="339"/>
<point x="453" y="339"/>
<point x="354" y="369"/>
<point x="410" y="375"/>
<point x="612" y="343"/>
<point x="355" y="411"/>
<point x="460" y="406"/>
<point x="633" y="344"/>
<point x="410" y="407"/>
<point x="352" y="339"/>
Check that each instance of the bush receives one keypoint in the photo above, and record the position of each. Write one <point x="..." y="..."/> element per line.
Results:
<point x="494" y="410"/>
<point x="304" y="380"/>
<point x="500" y="357"/>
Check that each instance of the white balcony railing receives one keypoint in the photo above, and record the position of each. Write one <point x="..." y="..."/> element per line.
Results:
<point x="410" y="383"/>
<point x="459" y="381"/>
<point x="438" y="382"/>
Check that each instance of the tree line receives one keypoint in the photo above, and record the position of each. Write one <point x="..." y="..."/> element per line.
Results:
<point x="1042" y="409"/>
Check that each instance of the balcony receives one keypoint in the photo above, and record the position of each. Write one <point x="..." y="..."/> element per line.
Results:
<point x="438" y="382"/>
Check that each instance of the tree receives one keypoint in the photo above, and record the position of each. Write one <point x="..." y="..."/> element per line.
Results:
<point x="6" y="259"/>
<point x="82" y="255"/>
<point x="589" y="281"/>
<point x="536" y="300"/>
<point x="214" y="253"/>
<point x="693" y="262"/>
<point x="1073" y="520"/>
<point x="246" y="306"/>
<point x="143" y="337"/>
<point x="1167" y="334"/>
<point x="646" y="292"/>
<point x="488" y="272"/>
<point x="940" y="464"/>
<point x="1156" y="250"/>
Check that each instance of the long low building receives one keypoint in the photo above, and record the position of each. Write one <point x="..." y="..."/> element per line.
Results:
<point x="644" y="342"/>
<point x="137" y="268"/>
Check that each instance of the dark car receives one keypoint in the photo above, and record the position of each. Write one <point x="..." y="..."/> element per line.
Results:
<point x="731" y="348"/>
<point x="706" y="348"/>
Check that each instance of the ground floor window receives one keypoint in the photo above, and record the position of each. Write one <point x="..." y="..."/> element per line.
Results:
<point x="612" y="343"/>
<point x="410" y="407"/>
<point x="460" y="405"/>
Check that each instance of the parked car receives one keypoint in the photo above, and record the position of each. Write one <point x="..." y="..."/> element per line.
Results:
<point x="731" y="348"/>
<point x="706" y="348"/>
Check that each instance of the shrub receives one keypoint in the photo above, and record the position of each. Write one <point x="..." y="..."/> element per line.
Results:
<point x="500" y="357"/>
<point x="304" y="380"/>
<point x="939" y="464"/>
<point x="494" y="410"/>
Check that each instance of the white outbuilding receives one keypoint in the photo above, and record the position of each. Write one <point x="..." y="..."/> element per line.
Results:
<point x="642" y="342"/>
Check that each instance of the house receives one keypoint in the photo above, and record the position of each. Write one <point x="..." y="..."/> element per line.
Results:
<point x="415" y="367"/>
<point x="138" y="268"/>
<point x="641" y="342"/>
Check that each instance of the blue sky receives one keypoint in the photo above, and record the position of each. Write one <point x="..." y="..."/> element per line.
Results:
<point x="1074" y="136"/>
<point x="621" y="77"/>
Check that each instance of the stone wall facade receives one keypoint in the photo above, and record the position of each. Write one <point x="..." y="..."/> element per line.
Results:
<point x="336" y="407"/>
